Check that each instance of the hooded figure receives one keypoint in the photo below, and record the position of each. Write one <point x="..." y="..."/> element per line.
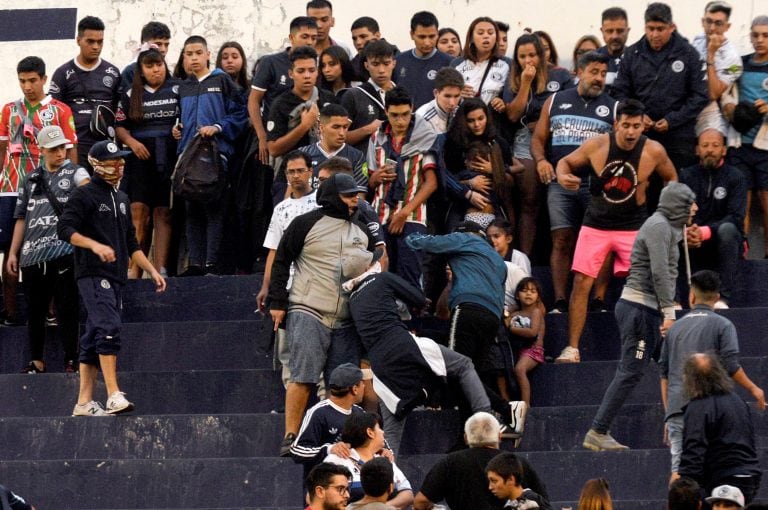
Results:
<point x="646" y="308"/>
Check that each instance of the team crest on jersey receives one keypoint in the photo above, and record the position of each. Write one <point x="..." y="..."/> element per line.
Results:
<point x="496" y="76"/>
<point x="553" y="86"/>
<point x="270" y="125"/>
<point x="282" y="79"/>
<point x="720" y="193"/>
<point x="565" y="106"/>
<point x="105" y="284"/>
<point x="619" y="181"/>
<point x="765" y="84"/>
<point x="602" y="111"/>
<point x="678" y="66"/>
<point x="64" y="184"/>
<point x="122" y="208"/>
<point x="113" y="72"/>
<point x="108" y="81"/>
<point x="431" y="74"/>
<point x="371" y="110"/>
<point x="175" y="89"/>
<point x="46" y="115"/>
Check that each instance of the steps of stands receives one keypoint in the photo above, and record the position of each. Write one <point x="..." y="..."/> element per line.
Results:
<point x="195" y="361"/>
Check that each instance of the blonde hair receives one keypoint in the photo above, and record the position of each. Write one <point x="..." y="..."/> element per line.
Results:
<point x="595" y="495"/>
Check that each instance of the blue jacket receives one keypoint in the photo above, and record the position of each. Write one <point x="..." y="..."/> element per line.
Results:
<point x="674" y="88"/>
<point x="478" y="271"/>
<point x="215" y="101"/>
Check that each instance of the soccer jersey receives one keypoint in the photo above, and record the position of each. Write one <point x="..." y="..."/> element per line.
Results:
<point x="318" y="156"/>
<point x="417" y="74"/>
<point x="489" y="84"/>
<point x="160" y="110"/>
<point x="271" y="77"/>
<point x="41" y="243"/>
<point x="434" y="115"/>
<point x="613" y="68"/>
<point x="729" y="67"/>
<point x="83" y="90"/>
<point x="23" y="155"/>
<point x="753" y="85"/>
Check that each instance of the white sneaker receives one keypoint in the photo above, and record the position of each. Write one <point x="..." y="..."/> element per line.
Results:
<point x="519" y="410"/>
<point x="117" y="403"/>
<point x="569" y="355"/>
<point x="721" y="305"/>
<point x="91" y="408"/>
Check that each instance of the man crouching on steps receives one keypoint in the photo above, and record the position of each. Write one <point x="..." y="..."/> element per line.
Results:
<point x="97" y="222"/>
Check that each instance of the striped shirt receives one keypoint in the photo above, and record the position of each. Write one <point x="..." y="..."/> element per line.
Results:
<point x="23" y="155"/>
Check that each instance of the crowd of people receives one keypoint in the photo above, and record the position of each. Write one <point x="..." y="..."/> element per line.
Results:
<point x="373" y="185"/>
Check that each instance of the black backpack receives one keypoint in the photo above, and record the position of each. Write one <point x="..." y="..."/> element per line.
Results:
<point x="199" y="175"/>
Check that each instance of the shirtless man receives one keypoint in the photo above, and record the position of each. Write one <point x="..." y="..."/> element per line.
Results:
<point x="622" y="161"/>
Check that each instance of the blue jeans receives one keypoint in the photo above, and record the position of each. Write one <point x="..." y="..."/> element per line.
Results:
<point x="205" y="229"/>
<point x="640" y="334"/>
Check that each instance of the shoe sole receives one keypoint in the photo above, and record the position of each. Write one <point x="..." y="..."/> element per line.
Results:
<point x="566" y="360"/>
<point x="125" y="409"/>
<point x="595" y="448"/>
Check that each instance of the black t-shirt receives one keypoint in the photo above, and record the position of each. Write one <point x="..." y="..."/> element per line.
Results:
<point x="280" y="122"/>
<point x="271" y="77"/>
<point x="459" y="479"/>
<point x="160" y="107"/>
<point x="82" y="90"/>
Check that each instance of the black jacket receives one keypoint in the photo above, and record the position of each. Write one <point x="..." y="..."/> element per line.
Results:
<point x="103" y="213"/>
<point x="718" y="440"/>
<point x="674" y="88"/>
<point x="721" y="195"/>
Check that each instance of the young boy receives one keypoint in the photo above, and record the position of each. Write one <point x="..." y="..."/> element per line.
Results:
<point x="439" y="111"/>
<point x="211" y="106"/>
<point x="401" y="190"/>
<point x="365" y="104"/>
<point x="505" y="481"/>
<point x="97" y="222"/>
<point x="20" y="122"/>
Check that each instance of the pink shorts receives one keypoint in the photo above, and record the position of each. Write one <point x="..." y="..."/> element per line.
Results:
<point x="535" y="352"/>
<point x="594" y="245"/>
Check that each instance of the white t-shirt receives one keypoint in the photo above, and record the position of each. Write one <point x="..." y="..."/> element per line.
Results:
<point x="494" y="83"/>
<point x="515" y="273"/>
<point x="729" y="67"/>
<point x="282" y="216"/>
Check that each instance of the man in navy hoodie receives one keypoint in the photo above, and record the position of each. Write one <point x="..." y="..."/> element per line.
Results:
<point x="97" y="222"/>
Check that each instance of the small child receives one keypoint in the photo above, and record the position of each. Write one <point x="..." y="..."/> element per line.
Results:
<point x="526" y="325"/>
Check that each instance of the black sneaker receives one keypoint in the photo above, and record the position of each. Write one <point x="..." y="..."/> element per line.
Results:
<point x="50" y="321"/>
<point x="211" y="270"/>
<point x="560" y="306"/>
<point x="10" y="321"/>
<point x="285" y="446"/>
<point x="192" y="271"/>
<point x="31" y="368"/>
<point x="71" y="367"/>
<point x="598" y="305"/>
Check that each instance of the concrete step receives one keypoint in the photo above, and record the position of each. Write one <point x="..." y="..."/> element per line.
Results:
<point x="639" y="426"/>
<point x="160" y="346"/>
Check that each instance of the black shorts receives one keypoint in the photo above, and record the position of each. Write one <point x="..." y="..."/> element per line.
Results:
<point x="146" y="182"/>
<point x="7" y="221"/>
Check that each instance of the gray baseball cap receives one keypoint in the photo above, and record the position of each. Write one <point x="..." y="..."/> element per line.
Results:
<point x="50" y="137"/>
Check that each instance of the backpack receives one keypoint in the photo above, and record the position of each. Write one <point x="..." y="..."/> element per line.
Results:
<point x="199" y="175"/>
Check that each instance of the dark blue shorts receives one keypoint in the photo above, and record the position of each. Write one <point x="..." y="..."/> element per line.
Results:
<point x="7" y="221"/>
<point x="753" y="164"/>
<point x="101" y="299"/>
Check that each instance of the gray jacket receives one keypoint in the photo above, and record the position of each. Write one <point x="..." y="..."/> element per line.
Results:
<point x="653" y="269"/>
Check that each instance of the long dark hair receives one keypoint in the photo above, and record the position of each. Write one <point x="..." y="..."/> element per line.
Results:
<point x="242" y="75"/>
<point x="340" y="55"/>
<point x="542" y="70"/>
<point x="460" y="135"/>
<point x="136" y="109"/>
<point x="470" y="51"/>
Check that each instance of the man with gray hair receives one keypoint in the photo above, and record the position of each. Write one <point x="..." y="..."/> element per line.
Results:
<point x="459" y="478"/>
<point x="718" y="434"/>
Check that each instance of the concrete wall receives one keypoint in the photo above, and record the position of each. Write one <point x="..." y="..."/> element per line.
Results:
<point x="261" y="26"/>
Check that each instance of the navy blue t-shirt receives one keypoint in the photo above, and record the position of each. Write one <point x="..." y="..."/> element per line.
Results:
<point x="417" y="74"/>
<point x="271" y="77"/>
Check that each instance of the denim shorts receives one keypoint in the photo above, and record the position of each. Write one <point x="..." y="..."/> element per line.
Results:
<point x="317" y="349"/>
<point x="566" y="208"/>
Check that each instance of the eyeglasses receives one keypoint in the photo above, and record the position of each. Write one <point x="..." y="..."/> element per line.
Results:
<point x="714" y="22"/>
<point x="341" y="489"/>
<point x="291" y="173"/>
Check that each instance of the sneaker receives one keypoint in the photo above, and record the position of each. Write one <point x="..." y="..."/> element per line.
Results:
<point x="211" y="270"/>
<point x="31" y="368"/>
<point x="11" y="322"/>
<point x="50" y="321"/>
<point x="569" y="355"/>
<point x="91" y="408"/>
<point x="117" y="403"/>
<point x="721" y="305"/>
<point x="602" y="442"/>
<point x="285" y="446"/>
<point x="560" y="306"/>
<point x="71" y="367"/>
<point x="192" y="271"/>
<point x="598" y="305"/>
<point x="519" y="410"/>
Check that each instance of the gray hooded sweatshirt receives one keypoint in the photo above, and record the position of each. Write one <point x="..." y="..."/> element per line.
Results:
<point x="653" y="270"/>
